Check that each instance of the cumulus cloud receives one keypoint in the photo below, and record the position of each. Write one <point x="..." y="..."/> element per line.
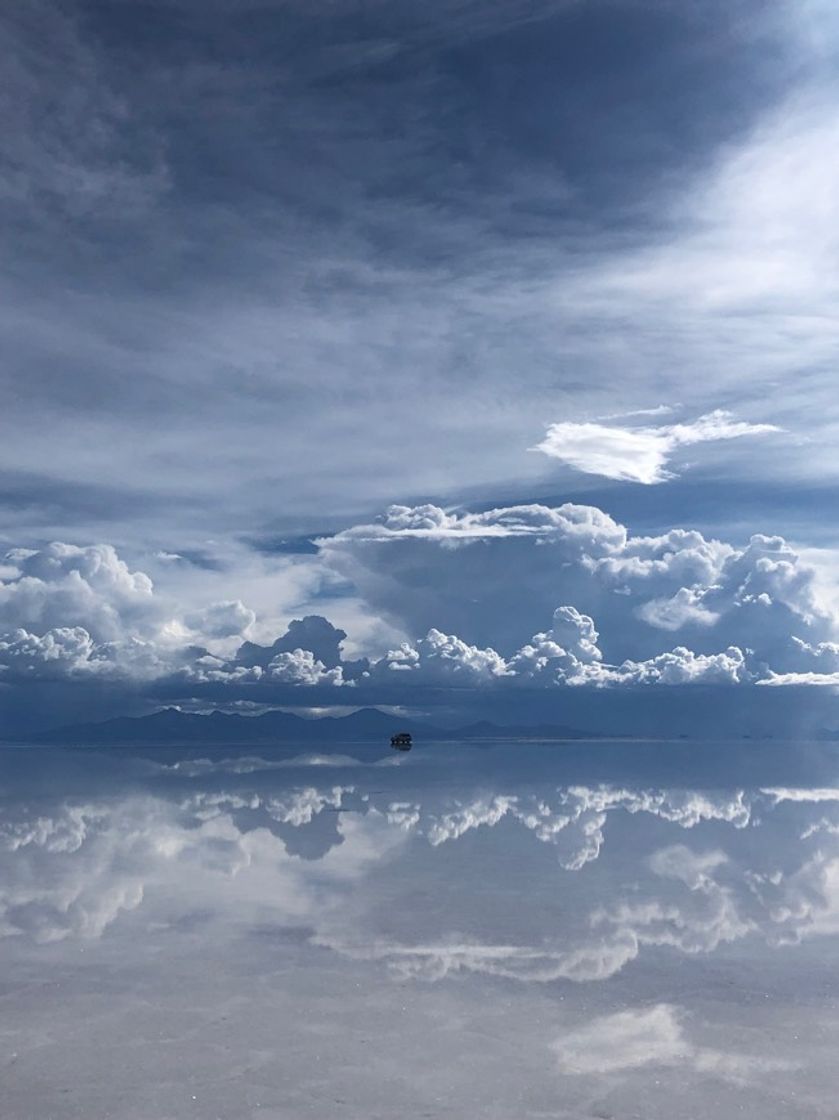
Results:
<point x="464" y="574"/>
<point x="683" y="666"/>
<point x="300" y="666"/>
<point x="444" y="659"/>
<point x="472" y="592"/>
<point x="568" y="651"/>
<point x="66" y="585"/>
<point x="567" y="654"/>
<point x="685" y="608"/>
<point x="227" y="619"/>
<point x="67" y="648"/>
<point x="311" y="633"/>
<point x="638" y="454"/>
<point x="71" y="611"/>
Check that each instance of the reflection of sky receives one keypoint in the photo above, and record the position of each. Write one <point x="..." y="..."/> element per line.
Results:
<point x="491" y="932"/>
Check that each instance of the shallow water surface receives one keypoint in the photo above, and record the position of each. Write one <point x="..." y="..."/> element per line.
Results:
<point x="520" y="930"/>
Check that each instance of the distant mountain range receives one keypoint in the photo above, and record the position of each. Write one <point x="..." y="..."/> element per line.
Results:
<point x="172" y="726"/>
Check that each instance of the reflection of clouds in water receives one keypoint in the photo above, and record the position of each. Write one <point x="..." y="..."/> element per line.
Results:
<point x="74" y="871"/>
<point x="315" y="942"/>
<point x="297" y="808"/>
<point x="597" y="959"/>
<point x="802" y="795"/>
<point x="651" y="1036"/>
<point x="253" y="764"/>
<point x="694" y="920"/>
<point x="690" y="902"/>
<point x="575" y="824"/>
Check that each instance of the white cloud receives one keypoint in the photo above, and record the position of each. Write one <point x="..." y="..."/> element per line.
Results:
<point x="683" y="666"/>
<point x="672" y="560"/>
<point x="444" y="659"/>
<point x="576" y="527"/>
<point x="492" y="578"/>
<point x="471" y="592"/>
<point x="597" y="959"/>
<point x="565" y="655"/>
<point x="574" y="823"/>
<point x="63" y="650"/>
<point x="227" y="619"/>
<point x="568" y="651"/>
<point x="67" y="610"/>
<point x="65" y="585"/>
<point x="685" y="608"/>
<point x="815" y="680"/>
<point x="638" y="454"/>
<point x="300" y="666"/>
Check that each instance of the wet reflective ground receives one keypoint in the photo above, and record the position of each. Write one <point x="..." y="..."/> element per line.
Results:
<point x="596" y="930"/>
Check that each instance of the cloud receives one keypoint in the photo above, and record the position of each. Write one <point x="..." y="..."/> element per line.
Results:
<point x="568" y="651"/>
<point x="66" y="649"/>
<point x="809" y="679"/>
<point x="577" y="527"/>
<point x="86" y="154"/>
<point x="312" y="633"/>
<point x="492" y="578"/>
<point x="222" y="620"/>
<point x="248" y="764"/>
<point x="596" y="960"/>
<point x="683" y="666"/>
<point x="66" y="585"/>
<point x="685" y="608"/>
<point x="472" y="593"/>
<point x="443" y="659"/>
<point x="300" y="666"/>
<point x="68" y="610"/>
<point x="638" y="454"/>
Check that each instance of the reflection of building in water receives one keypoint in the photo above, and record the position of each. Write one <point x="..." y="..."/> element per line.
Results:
<point x="401" y="741"/>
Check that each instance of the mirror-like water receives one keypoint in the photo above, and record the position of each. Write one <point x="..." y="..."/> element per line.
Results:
<point x="521" y="931"/>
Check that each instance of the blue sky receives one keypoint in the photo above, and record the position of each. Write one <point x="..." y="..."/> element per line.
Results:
<point x="270" y="268"/>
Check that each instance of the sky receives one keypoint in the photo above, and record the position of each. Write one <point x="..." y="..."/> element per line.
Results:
<point x="481" y="355"/>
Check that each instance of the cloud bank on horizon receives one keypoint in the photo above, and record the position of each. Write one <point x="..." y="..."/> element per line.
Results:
<point x="514" y="598"/>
